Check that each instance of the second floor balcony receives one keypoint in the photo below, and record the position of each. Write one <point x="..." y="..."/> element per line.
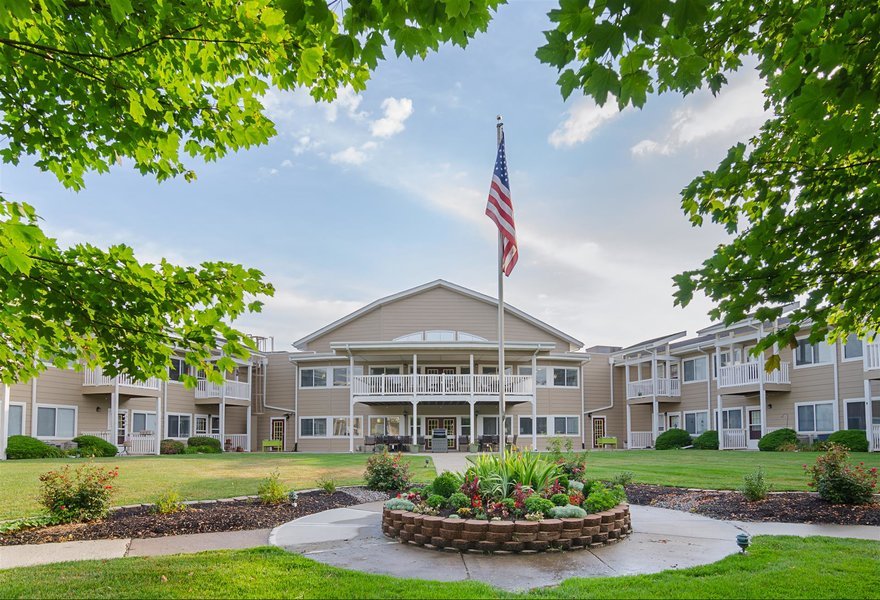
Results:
<point x="95" y="380"/>
<point x="458" y="387"/>
<point x="872" y="356"/>
<point x="667" y="387"/>
<point x="230" y="390"/>
<point x="749" y="374"/>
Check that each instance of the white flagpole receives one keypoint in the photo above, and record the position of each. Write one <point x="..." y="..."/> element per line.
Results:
<point x="501" y="407"/>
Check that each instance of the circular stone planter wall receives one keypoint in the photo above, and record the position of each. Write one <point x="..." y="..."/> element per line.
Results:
<point x="440" y="533"/>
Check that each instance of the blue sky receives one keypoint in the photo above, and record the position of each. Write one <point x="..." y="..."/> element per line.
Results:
<point x="385" y="190"/>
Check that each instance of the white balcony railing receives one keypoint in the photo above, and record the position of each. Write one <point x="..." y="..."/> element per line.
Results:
<point x="734" y="439"/>
<point x="96" y="377"/>
<point x="872" y="355"/>
<point x="665" y="387"/>
<point x="236" y="440"/>
<point x="749" y="373"/>
<point x="239" y="390"/>
<point x="142" y="442"/>
<point x="875" y="433"/>
<point x="640" y="439"/>
<point x="440" y="385"/>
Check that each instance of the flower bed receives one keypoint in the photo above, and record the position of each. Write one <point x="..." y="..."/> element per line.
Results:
<point x="501" y="536"/>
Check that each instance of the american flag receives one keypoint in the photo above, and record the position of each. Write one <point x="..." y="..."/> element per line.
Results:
<point x="499" y="208"/>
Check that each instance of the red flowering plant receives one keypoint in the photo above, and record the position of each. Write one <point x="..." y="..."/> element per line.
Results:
<point x="387" y="473"/>
<point x="575" y="498"/>
<point x="520" y="494"/>
<point x="554" y="488"/>
<point x="471" y="487"/>
<point x="839" y="482"/>
<point x="79" y="495"/>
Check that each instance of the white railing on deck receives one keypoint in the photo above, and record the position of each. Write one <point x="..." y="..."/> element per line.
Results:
<point x="641" y="439"/>
<point x="96" y="377"/>
<point x="237" y="440"/>
<point x="142" y="443"/>
<point x="734" y="439"/>
<point x="240" y="390"/>
<point x="439" y="385"/>
<point x="750" y="373"/>
<point x="875" y="433"/>
<point x="872" y="355"/>
<point x="104" y="435"/>
<point x="665" y="387"/>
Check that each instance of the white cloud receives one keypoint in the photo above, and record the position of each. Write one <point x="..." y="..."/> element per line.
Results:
<point x="346" y="100"/>
<point x="396" y="112"/>
<point x="353" y="155"/>
<point x="584" y="118"/>
<point x="736" y="112"/>
<point x="287" y="163"/>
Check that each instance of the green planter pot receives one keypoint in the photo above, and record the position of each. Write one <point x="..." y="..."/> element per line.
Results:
<point x="473" y="448"/>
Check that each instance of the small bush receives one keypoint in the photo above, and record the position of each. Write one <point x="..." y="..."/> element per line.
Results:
<point x="577" y="486"/>
<point x="92" y="446"/>
<point x="773" y="440"/>
<point x="387" y="473"/>
<point x="840" y="483"/>
<point x="708" y="440"/>
<point x="327" y="484"/>
<point x="292" y="497"/>
<point x="201" y="450"/>
<point x="7" y="527"/>
<point x="79" y="495"/>
<point x="623" y="478"/>
<point x="569" y="511"/>
<point x="601" y="497"/>
<point x="271" y="490"/>
<point x="559" y="499"/>
<point x="206" y="445"/>
<point x="854" y="440"/>
<point x="672" y="439"/>
<point x="536" y="504"/>
<point x="169" y="502"/>
<point x="399" y="504"/>
<point x="755" y="487"/>
<point x="23" y="446"/>
<point x="446" y="484"/>
<point x="171" y="447"/>
<point x="458" y="500"/>
<point x="789" y="447"/>
<point x="435" y="501"/>
<point x="557" y="446"/>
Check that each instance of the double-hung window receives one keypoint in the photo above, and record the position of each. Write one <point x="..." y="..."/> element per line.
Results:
<point x="16" y="419"/>
<point x="540" y="377"/>
<point x="732" y="418"/>
<point x="313" y="377"/>
<point x="340" y="426"/>
<point x="313" y="427"/>
<point x="56" y="422"/>
<point x="694" y="369"/>
<point x="565" y="377"/>
<point x="817" y="417"/>
<point x="177" y="369"/>
<point x="143" y="421"/>
<point x="806" y="353"/>
<point x="179" y="426"/>
<point x="201" y="425"/>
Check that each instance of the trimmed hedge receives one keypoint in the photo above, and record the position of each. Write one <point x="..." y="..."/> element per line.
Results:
<point x="446" y="484"/>
<point x="773" y="440"/>
<point x="92" y="445"/>
<point x="23" y="446"/>
<point x="171" y="447"/>
<point x="854" y="440"/>
<point x="205" y="445"/>
<point x="672" y="439"/>
<point x="708" y="440"/>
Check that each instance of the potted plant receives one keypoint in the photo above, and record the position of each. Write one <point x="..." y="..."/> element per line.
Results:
<point x="473" y="448"/>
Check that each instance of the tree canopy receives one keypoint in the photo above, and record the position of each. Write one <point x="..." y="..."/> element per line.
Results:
<point x="801" y="195"/>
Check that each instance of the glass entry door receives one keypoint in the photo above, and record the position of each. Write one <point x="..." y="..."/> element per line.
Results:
<point x="447" y="423"/>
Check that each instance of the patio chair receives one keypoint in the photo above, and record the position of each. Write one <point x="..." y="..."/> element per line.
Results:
<point x="463" y="441"/>
<point x="125" y="448"/>
<point x="370" y="442"/>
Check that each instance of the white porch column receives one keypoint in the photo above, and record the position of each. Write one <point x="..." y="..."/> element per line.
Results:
<point x="114" y="412"/>
<point x="719" y="424"/>
<point x="158" y="432"/>
<point x="247" y="426"/>
<point x="4" y="421"/>
<point x="350" y="406"/>
<point x="869" y="427"/>
<point x="473" y="419"/>
<point x="535" y="401"/>
<point x="33" y="407"/>
<point x="762" y="392"/>
<point x="415" y="422"/>
<point x="628" y="426"/>
<point x="655" y="405"/>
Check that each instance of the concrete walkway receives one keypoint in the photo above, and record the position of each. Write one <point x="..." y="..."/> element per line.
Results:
<point x="662" y="539"/>
<point x="449" y="461"/>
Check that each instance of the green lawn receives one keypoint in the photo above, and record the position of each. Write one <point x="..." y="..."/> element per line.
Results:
<point x="710" y="469"/>
<point x="776" y="567"/>
<point x="196" y="477"/>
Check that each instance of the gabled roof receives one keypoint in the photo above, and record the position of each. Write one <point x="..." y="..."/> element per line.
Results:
<point x="652" y="343"/>
<point x="439" y="283"/>
<point x="749" y="320"/>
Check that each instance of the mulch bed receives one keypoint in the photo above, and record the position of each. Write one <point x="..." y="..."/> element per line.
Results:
<point x="224" y="515"/>
<point x="784" y="507"/>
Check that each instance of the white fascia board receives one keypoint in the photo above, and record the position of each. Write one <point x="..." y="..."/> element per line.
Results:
<point x="460" y="346"/>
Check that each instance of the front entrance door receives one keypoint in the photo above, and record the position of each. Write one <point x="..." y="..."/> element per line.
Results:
<point x="754" y="428"/>
<point x="598" y="430"/>
<point x="447" y="423"/>
<point x="277" y="431"/>
<point x="122" y="427"/>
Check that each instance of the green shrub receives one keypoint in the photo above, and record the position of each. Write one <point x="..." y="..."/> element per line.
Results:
<point x="458" y="500"/>
<point x="840" y="483"/>
<point x="327" y="484"/>
<point x="854" y="440"/>
<point x="623" y="478"/>
<point x="754" y="486"/>
<point x="559" y="499"/>
<point x="577" y="486"/>
<point x="536" y="504"/>
<point x="399" y="504"/>
<point x="569" y="511"/>
<point x="206" y="445"/>
<point x="23" y="446"/>
<point x="773" y="440"/>
<point x="7" y="527"/>
<point x="171" y="447"/>
<point x="292" y="497"/>
<point x="387" y="473"/>
<point x="708" y="440"/>
<point x="169" y="502"/>
<point x="201" y="450"/>
<point x="92" y="446"/>
<point x="446" y="484"/>
<point x="79" y="495"/>
<point x="601" y="497"/>
<point x="672" y="439"/>
<point x="435" y="501"/>
<point x="271" y="490"/>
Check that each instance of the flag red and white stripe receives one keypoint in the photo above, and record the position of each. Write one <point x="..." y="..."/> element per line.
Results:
<point x="499" y="208"/>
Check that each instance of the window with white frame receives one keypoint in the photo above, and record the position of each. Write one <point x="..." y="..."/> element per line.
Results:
<point x="565" y="377"/>
<point x="852" y="348"/>
<point x="178" y="426"/>
<point x="201" y="425"/>
<point x="16" y="419"/>
<point x="56" y="422"/>
<point x="466" y="426"/>
<point x="340" y="426"/>
<point x="384" y="370"/>
<point x="313" y="427"/>
<point x="696" y="423"/>
<point x="525" y="426"/>
<point x="694" y="369"/>
<point x="815" y="417"/>
<point x="177" y="369"/>
<point x="490" y="425"/>
<point x="215" y="424"/>
<point x="731" y="418"/>
<point x="806" y="353"/>
<point x="493" y="370"/>
<point x="855" y="414"/>
<point x="143" y="421"/>
<point x="312" y="377"/>
<point x="566" y="425"/>
<point x="540" y="377"/>
<point x="385" y="425"/>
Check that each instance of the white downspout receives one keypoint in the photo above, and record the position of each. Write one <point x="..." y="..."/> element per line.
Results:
<point x="4" y="421"/>
<point x="581" y="380"/>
